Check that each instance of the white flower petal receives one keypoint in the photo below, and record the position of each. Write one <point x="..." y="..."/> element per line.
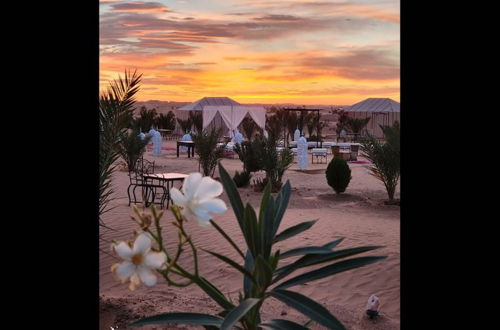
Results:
<point x="154" y="259"/>
<point x="215" y="205"/>
<point x="124" y="251"/>
<point x="147" y="276"/>
<point x="204" y="223"/>
<point x="125" y="270"/>
<point x="135" y="281"/>
<point x="142" y="244"/>
<point x="208" y="188"/>
<point x="186" y="212"/>
<point x="177" y="197"/>
<point x="190" y="184"/>
<point x="202" y="214"/>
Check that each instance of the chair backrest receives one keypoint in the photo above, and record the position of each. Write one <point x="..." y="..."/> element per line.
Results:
<point x="142" y="166"/>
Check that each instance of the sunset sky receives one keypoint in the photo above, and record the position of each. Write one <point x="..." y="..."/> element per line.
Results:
<point x="254" y="51"/>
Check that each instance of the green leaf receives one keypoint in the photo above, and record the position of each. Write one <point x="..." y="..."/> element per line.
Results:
<point x="232" y="264"/>
<point x="333" y="244"/>
<point x="236" y="314"/>
<point x="308" y="307"/>
<point x="249" y="267"/>
<point x="282" y="200"/>
<point x="252" y="230"/>
<point x="233" y="194"/>
<point x="223" y="233"/>
<point x="182" y="318"/>
<point x="213" y="293"/>
<point x="267" y="228"/>
<point x="335" y="268"/>
<point x="305" y="250"/>
<point x="263" y="272"/>
<point x="265" y="199"/>
<point x="315" y="259"/>
<point x="280" y="324"/>
<point x="294" y="230"/>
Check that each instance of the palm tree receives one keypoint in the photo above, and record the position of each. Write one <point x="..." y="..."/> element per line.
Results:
<point x="196" y="118"/>
<point x="385" y="157"/>
<point x="249" y="127"/>
<point x="292" y="121"/>
<point x="132" y="147"/>
<point x="185" y="124"/>
<point x="115" y="114"/>
<point x="273" y="126"/>
<point x="166" y="121"/>
<point x="356" y="125"/>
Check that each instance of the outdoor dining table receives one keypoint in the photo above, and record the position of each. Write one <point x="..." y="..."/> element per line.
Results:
<point x="168" y="178"/>
<point x="189" y="145"/>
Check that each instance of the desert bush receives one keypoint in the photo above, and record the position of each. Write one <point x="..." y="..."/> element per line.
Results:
<point x="166" y="121"/>
<point x="196" y="119"/>
<point x="385" y="157"/>
<point x="146" y="120"/>
<point x="132" y="147"/>
<point x="341" y="121"/>
<point x="205" y="146"/>
<point x="338" y="174"/>
<point x="356" y="125"/>
<point x="242" y="179"/>
<point x="250" y="153"/>
<point x="185" y="124"/>
<point x="274" y="163"/>
<point x="249" y="128"/>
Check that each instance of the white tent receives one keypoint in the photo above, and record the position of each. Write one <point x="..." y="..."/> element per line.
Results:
<point x="382" y="111"/>
<point x="230" y="111"/>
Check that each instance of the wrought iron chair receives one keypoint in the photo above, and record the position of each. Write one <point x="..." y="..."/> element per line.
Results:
<point x="152" y="192"/>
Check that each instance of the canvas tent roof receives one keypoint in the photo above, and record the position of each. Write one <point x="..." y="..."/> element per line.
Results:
<point x="375" y="105"/>
<point x="201" y="103"/>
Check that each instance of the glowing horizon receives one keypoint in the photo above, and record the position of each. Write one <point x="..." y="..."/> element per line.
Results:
<point x="260" y="51"/>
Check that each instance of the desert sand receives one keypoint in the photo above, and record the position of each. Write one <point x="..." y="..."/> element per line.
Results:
<point x="359" y="215"/>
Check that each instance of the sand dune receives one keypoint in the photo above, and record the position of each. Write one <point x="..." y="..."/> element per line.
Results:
<point x="358" y="215"/>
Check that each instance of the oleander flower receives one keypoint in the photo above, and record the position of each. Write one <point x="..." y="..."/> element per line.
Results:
<point x="198" y="198"/>
<point x="139" y="262"/>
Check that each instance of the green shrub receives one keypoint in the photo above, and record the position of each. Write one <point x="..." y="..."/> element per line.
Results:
<point x="385" y="157"/>
<point x="166" y="121"/>
<point x="131" y="147"/>
<point x="205" y="146"/>
<point x="338" y="175"/>
<point x="146" y="120"/>
<point x="250" y="153"/>
<point x="242" y="179"/>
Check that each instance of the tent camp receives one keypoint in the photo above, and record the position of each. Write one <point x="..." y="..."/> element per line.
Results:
<point x="224" y="112"/>
<point x="382" y="111"/>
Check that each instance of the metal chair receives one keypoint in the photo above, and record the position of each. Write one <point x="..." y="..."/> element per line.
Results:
<point x="151" y="192"/>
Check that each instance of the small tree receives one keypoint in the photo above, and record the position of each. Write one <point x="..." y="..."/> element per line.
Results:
<point x="356" y="125"/>
<point x="273" y="163"/>
<point x="249" y="128"/>
<point x="116" y="106"/>
<point x="185" y="124"/>
<point x="338" y="175"/>
<point x="275" y="126"/>
<point x="341" y="122"/>
<point x="146" y="120"/>
<point x="132" y="147"/>
<point x="196" y="118"/>
<point x="205" y="146"/>
<point x="385" y="157"/>
<point x="166" y="121"/>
